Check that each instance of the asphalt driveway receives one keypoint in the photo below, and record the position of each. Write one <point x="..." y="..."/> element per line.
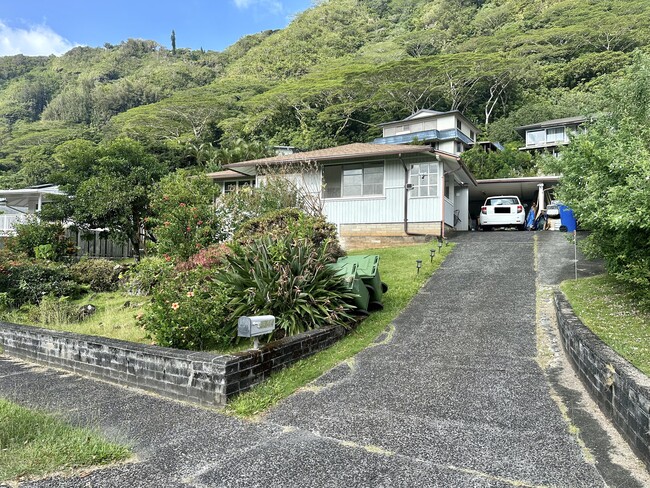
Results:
<point x="450" y="395"/>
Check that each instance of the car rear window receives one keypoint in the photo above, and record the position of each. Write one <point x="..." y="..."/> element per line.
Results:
<point x="502" y="201"/>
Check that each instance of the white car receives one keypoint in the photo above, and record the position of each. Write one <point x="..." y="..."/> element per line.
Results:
<point x="502" y="211"/>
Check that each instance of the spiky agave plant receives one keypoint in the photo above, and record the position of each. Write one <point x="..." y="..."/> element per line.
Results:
<point x="287" y="278"/>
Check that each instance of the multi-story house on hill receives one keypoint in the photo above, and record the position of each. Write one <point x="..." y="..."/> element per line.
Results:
<point x="550" y="135"/>
<point x="450" y="132"/>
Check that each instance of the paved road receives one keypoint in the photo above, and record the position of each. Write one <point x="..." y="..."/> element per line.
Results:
<point x="451" y="395"/>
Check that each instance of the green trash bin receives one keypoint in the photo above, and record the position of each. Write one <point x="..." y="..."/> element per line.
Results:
<point x="368" y="271"/>
<point x="348" y="271"/>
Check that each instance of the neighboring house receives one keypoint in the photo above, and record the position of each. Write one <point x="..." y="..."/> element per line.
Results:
<point x="550" y="135"/>
<point x="373" y="192"/>
<point x="450" y="132"/>
<point x="18" y="206"/>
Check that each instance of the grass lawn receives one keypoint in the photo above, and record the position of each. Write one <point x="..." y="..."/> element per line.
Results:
<point x="607" y="309"/>
<point x="115" y="317"/>
<point x="398" y="271"/>
<point x="34" y="444"/>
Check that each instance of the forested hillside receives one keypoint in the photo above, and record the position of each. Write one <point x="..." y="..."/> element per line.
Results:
<point x="330" y="77"/>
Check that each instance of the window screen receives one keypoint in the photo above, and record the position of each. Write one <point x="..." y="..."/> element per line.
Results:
<point x="353" y="180"/>
<point x="424" y="178"/>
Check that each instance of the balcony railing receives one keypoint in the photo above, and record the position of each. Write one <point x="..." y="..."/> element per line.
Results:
<point x="7" y="222"/>
<point x="428" y="135"/>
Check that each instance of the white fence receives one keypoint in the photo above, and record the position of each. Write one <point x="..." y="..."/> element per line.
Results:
<point x="7" y="222"/>
<point x="94" y="243"/>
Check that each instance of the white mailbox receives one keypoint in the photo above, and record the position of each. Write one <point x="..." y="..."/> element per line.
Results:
<point x="255" y="326"/>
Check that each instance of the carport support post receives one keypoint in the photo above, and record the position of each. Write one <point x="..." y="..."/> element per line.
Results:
<point x="540" y="199"/>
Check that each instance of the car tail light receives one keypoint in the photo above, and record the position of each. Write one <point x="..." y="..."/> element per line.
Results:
<point x="484" y="210"/>
<point x="520" y="209"/>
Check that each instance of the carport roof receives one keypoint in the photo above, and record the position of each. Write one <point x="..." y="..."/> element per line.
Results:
<point x="510" y="186"/>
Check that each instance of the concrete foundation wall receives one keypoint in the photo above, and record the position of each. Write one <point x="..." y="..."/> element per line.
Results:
<point x="621" y="391"/>
<point x="196" y="377"/>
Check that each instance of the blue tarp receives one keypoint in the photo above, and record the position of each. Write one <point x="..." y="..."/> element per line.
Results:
<point x="530" y="220"/>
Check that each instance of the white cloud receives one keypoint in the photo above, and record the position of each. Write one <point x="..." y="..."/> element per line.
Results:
<point x="274" y="6"/>
<point x="37" y="40"/>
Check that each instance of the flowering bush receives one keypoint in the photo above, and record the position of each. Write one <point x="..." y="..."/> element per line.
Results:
<point x="188" y="311"/>
<point x="184" y="220"/>
<point x="209" y="257"/>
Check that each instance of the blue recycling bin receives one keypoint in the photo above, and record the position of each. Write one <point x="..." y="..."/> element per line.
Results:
<point x="567" y="219"/>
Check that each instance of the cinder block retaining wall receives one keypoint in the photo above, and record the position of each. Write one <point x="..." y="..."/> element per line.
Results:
<point x="196" y="377"/>
<point x="621" y="390"/>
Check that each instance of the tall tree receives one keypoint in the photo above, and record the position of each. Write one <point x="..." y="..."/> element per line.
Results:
<point x="173" y="42"/>
<point x="110" y="186"/>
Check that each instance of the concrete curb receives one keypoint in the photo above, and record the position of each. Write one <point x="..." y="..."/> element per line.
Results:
<point x="621" y="391"/>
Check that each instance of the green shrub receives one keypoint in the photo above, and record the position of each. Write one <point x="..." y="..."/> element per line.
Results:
<point x="188" y="311"/>
<point x="295" y="223"/>
<point x="5" y="301"/>
<point x="27" y="280"/>
<point x="100" y="274"/>
<point x="145" y="275"/>
<point x="56" y="310"/>
<point x="288" y="278"/>
<point x="46" y="237"/>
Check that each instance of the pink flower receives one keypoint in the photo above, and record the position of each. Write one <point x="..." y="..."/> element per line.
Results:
<point x="167" y="257"/>
<point x="167" y="223"/>
<point x="190" y="293"/>
<point x="199" y="222"/>
<point x="189" y="228"/>
<point x="175" y="306"/>
<point x="182" y="204"/>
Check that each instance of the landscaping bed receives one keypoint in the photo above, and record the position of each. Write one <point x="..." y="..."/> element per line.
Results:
<point x="609" y="310"/>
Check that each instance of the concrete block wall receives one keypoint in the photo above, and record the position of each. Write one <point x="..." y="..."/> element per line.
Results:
<point x="621" y="391"/>
<point x="196" y="377"/>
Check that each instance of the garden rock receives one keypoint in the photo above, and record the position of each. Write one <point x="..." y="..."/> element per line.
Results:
<point x="86" y="311"/>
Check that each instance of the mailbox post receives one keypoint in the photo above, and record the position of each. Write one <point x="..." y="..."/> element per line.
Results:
<point x="255" y="326"/>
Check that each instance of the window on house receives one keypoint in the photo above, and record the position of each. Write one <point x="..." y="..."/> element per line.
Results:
<point x="233" y="186"/>
<point x="424" y="179"/>
<point x="353" y="180"/>
<point x="459" y="124"/>
<point x="459" y="147"/>
<point x="535" y="137"/>
<point x="472" y="135"/>
<point x="555" y="135"/>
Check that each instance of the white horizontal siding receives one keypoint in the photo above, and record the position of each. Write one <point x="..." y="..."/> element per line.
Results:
<point x="388" y="207"/>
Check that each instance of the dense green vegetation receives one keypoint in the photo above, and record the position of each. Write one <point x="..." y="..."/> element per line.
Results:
<point x="33" y="444"/>
<point x="606" y="180"/>
<point x="336" y="71"/>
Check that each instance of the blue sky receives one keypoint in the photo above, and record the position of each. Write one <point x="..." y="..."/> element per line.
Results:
<point x="41" y="27"/>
